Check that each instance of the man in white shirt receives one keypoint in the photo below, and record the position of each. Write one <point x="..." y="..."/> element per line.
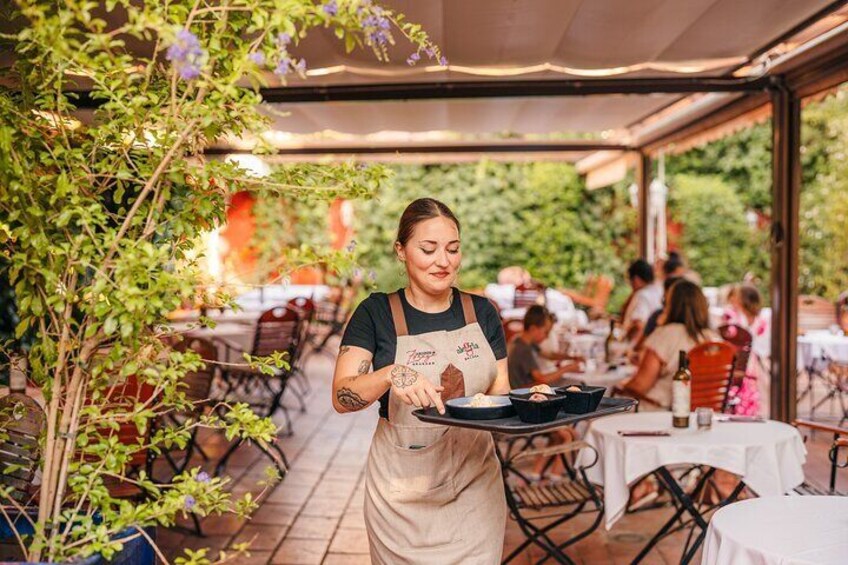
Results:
<point x="645" y="298"/>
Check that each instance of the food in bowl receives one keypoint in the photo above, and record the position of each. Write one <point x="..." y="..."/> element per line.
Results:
<point x="544" y="389"/>
<point x="574" y="388"/>
<point x="538" y="397"/>
<point x="480" y="400"/>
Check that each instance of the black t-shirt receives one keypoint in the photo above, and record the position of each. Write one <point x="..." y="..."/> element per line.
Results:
<point x="371" y="327"/>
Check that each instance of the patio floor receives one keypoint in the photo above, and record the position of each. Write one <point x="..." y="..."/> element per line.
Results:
<point x="315" y="515"/>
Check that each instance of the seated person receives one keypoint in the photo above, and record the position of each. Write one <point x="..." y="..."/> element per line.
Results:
<point x="644" y="300"/>
<point x="674" y="266"/>
<point x="515" y="275"/>
<point x="595" y="295"/>
<point x="656" y="318"/>
<point x="842" y="311"/>
<point x="523" y="352"/>
<point x="686" y="325"/>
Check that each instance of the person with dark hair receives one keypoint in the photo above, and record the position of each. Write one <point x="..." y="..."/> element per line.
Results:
<point x="685" y="324"/>
<point x="674" y="266"/>
<point x="656" y="317"/>
<point x="643" y="301"/>
<point x="433" y="494"/>
<point x="523" y="352"/>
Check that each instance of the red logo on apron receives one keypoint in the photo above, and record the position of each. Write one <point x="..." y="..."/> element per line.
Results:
<point x="419" y="358"/>
<point x="468" y="350"/>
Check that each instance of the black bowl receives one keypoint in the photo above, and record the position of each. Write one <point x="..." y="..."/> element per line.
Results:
<point x="536" y="412"/>
<point x="583" y="402"/>
<point x="458" y="408"/>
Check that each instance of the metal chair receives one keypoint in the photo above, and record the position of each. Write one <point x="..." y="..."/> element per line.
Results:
<point x="741" y="339"/>
<point x="533" y="502"/>
<point x="21" y="422"/>
<point x="840" y="441"/>
<point x="301" y="387"/>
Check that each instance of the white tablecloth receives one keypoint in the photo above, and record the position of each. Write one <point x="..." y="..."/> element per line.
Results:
<point x="233" y="334"/>
<point x="812" y="345"/>
<point x="767" y="456"/>
<point x="779" y="530"/>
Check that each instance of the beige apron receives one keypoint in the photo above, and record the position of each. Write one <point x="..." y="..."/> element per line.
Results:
<point x="433" y="494"/>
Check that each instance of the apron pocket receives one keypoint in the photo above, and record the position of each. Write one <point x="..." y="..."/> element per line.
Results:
<point x="424" y="474"/>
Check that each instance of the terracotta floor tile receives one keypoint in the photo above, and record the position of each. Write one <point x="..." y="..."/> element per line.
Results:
<point x="349" y="541"/>
<point x="340" y="559"/>
<point x="287" y="493"/>
<point x="262" y="537"/>
<point x="300" y="552"/>
<point x="274" y="514"/>
<point x="253" y="558"/>
<point x="326" y="507"/>
<point x="313" y="527"/>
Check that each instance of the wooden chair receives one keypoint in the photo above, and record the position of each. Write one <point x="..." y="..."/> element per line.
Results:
<point x="527" y="295"/>
<point x="815" y="313"/>
<point x="21" y="422"/>
<point x="197" y="388"/>
<point x="711" y="364"/>
<point x="840" y="442"/>
<point x="541" y="505"/>
<point x="305" y="307"/>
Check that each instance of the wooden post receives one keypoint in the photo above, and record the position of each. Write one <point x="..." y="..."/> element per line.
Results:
<point x="786" y="188"/>
<point x="643" y="180"/>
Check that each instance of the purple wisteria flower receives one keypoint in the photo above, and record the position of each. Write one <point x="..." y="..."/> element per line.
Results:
<point x="430" y="53"/>
<point x="282" y="68"/>
<point x="351" y="246"/>
<point x="443" y="61"/>
<point x="257" y="57"/>
<point x="372" y="276"/>
<point x="377" y="27"/>
<point x="412" y="59"/>
<point x="203" y="477"/>
<point x="300" y="66"/>
<point x="330" y="8"/>
<point x="283" y="39"/>
<point x="186" y="55"/>
<point x="357" y="273"/>
<point x="189" y="502"/>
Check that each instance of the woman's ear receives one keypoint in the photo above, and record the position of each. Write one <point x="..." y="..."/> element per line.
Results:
<point x="401" y="254"/>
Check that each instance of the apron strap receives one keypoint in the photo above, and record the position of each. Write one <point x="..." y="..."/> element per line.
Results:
<point x="397" y="314"/>
<point x="468" y="309"/>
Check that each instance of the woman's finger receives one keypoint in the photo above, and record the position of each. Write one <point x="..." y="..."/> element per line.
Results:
<point x="405" y="397"/>
<point x="437" y="400"/>
<point x="423" y="398"/>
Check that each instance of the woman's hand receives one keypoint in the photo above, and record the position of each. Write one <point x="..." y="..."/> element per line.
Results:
<point x="415" y="389"/>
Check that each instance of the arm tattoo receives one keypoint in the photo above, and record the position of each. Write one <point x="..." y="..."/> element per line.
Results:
<point x="343" y="349"/>
<point x="350" y="399"/>
<point x="364" y="365"/>
<point x="403" y="377"/>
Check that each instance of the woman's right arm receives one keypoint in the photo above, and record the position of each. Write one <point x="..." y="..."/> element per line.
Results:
<point x="355" y="388"/>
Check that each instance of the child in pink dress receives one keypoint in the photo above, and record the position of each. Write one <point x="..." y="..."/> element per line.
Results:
<point x="744" y="310"/>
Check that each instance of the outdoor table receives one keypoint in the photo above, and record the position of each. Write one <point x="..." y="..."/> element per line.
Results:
<point x="814" y="345"/>
<point x="768" y="456"/>
<point x="229" y="334"/>
<point x="785" y="530"/>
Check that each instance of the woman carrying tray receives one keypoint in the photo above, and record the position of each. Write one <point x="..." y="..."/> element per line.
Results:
<point x="433" y="494"/>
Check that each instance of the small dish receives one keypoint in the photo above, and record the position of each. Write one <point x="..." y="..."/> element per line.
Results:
<point x="583" y="401"/>
<point x="459" y="408"/>
<point x="536" y="412"/>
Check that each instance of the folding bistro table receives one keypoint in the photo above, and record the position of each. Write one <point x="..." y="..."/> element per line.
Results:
<point x="768" y="456"/>
<point x="562" y="499"/>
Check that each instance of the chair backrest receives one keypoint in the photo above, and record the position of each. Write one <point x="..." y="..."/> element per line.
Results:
<point x="276" y="330"/>
<point x="711" y="365"/>
<point x="21" y="422"/>
<point x="527" y="295"/>
<point x="198" y="384"/>
<point x="741" y="339"/>
<point x="305" y="306"/>
<point x="815" y="313"/>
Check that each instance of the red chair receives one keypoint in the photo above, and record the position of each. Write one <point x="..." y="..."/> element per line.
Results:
<point x="741" y="339"/>
<point x="711" y="365"/>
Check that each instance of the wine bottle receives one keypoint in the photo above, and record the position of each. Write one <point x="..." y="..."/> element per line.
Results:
<point x="681" y="394"/>
<point x="608" y="343"/>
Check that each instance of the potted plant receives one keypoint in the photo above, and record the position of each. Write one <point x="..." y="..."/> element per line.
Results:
<point x="100" y="214"/>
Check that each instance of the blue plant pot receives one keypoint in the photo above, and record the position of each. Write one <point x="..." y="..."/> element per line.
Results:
<point x="135" y="552"/>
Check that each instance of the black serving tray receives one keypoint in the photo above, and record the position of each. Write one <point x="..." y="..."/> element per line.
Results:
<point x="513" y="425"/>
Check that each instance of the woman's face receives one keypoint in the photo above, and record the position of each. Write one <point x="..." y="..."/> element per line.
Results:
<point x="432" y="255"/>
